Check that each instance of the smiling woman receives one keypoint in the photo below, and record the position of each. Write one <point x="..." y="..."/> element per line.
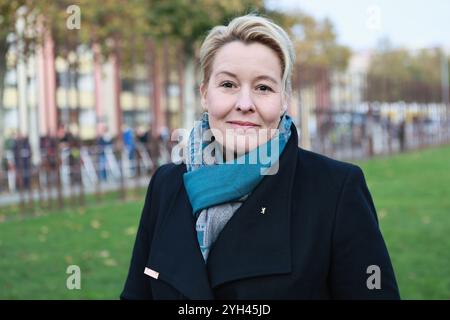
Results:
<point x="244" y="101"/>
<point x="226" y="229"/>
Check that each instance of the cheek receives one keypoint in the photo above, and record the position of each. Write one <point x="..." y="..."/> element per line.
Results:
<point x="270" y="111"/>
<point x="219" y="105"/>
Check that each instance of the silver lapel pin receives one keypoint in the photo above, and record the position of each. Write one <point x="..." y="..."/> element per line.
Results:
<point x="263" y="210"/>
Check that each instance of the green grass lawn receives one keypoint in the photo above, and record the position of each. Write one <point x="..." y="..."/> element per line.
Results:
<point x="35" y="253"/>
<point x="412" y="197"/>
<point x="411" y="193"/>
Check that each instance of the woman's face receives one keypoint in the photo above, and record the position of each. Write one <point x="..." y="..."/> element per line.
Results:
<point x="243" y="96"/>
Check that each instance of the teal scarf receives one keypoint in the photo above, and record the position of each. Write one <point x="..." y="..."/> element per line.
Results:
<point x="219" y="182"/>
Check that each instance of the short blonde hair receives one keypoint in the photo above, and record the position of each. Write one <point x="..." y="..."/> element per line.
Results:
<point x="250" y="28"/>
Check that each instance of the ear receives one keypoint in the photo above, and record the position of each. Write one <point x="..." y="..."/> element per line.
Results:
<point x="203" y="92"/>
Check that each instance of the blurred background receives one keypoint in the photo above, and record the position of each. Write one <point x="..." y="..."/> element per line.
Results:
<point x="91" y="91"/>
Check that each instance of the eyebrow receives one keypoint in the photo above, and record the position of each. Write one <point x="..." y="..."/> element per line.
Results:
<point x="261" y="77"/>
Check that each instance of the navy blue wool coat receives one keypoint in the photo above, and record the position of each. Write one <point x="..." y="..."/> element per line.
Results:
<point x="318" y="238"/>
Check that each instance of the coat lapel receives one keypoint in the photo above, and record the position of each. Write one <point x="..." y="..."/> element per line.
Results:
<point x="175" y="252"/>
<point x="256" y="240"/>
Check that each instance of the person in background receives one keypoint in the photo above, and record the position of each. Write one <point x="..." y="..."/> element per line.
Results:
<point x="103" y="143"/>
<point x="130" y="147"/>
<point x="22" y="159"/>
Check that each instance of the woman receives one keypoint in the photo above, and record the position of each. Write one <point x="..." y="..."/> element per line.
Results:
<point x="250" y="215"/>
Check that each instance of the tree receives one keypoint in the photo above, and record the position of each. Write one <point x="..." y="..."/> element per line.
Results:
<point x="8" y="19"/>
<point x="404" y="75"/>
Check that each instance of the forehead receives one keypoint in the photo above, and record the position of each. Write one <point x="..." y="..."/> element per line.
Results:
<point x="247" y="59"/>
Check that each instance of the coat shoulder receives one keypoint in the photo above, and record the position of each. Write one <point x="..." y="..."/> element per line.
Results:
<point x="169" y="175"/>
<point x="322" y="161"/>
<point x="323" y="168"/>
<point x="170" y="170"/>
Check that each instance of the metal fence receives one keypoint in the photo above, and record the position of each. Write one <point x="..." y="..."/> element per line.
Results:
<point x="65" y="174"/>
<point x="378" y="129"/>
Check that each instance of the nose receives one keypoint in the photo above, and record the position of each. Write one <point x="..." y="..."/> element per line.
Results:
<point x="244" y="102"/>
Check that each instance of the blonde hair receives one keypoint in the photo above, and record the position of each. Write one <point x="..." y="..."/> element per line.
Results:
<point x="250" y="28"/>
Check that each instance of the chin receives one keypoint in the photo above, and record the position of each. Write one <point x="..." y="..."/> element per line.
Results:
<point x="244" y="144"/>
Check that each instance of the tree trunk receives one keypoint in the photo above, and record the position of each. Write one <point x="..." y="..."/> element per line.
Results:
<point x="117" y="93"/>
<point x="78" y="143"/>
<point x="119" y="117"/>
<point x="180" y="70"/>
<point x="3" y="51"/>
<point x="134" y="161"/>
<point x="100" y="120"/>
<point x="157" y="94"/>
<point x="22" y="88"/>
<point x="98" y="89"/>
<point x="189" y="93"/>
<point x="166" y="71"/>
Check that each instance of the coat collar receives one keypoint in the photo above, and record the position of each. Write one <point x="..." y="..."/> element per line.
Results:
<point x="254" y="242"/>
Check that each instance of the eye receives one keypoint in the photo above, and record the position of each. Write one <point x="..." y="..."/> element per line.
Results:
<point x="264" y="88"/>
<point x="227" y="84"/>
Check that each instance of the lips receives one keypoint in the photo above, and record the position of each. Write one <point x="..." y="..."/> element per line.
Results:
<point x="243" y="124"/>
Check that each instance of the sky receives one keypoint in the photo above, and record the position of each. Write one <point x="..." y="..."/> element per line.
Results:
<point x="361" y="24"/>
